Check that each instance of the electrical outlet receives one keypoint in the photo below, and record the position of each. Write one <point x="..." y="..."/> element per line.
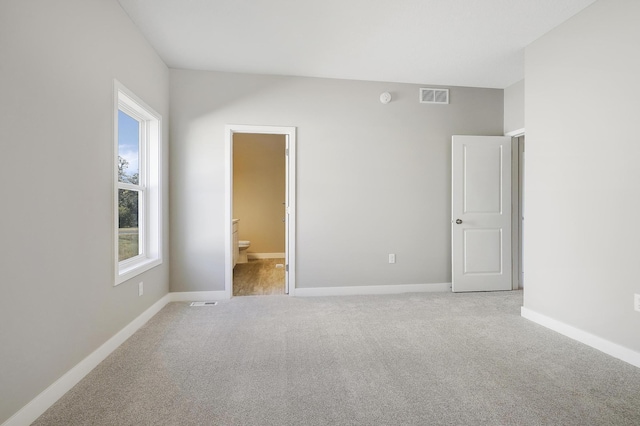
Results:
<point x="392" y="258"/>
<point x="140" y="288"/>
<point x="636" y="302"/>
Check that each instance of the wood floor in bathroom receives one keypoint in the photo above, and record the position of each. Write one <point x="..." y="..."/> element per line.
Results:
<point x="258" y="277"/>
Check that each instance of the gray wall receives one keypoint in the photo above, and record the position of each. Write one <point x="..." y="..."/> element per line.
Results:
<point x="57" y="300"/>
<point x="259" y="190"/>
<point x="373" y="179"/>
<point x="514" y="107"/>
<point x="582" y="174"/>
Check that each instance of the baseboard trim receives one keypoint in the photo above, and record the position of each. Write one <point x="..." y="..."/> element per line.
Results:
<point x="197" y="296"/>
<point x="615" y="350"/>
<point x="265" y="255"/>
<point x="34" y="409"/>
<point x="373" y="289"/>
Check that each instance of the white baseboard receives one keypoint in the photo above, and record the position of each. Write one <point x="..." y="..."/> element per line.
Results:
<point x="603" y="345"/>
<point x="373" y="289"/>
<point x="34" y="409"/>
<point x="198" y="296"/>
<point x="265" y="255"/>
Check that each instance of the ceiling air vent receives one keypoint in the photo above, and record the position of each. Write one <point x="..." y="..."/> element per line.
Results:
<point x="434" y="96"/>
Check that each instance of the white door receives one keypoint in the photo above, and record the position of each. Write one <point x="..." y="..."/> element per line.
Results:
<point x="481" y="213"/>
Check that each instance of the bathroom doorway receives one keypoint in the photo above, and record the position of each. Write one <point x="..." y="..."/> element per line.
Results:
<point x="260" y="200"/>
<point x="259" y="163"/>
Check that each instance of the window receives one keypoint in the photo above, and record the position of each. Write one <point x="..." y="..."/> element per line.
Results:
<point x="137" y="186"/>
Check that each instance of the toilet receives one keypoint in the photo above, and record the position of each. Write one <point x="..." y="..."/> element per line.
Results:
<point x="243" y="246"/>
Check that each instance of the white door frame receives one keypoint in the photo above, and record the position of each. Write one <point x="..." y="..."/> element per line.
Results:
<point x="290" y="221"/>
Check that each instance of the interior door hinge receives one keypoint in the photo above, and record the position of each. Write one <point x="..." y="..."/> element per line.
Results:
<point x="286" y="151"/>
<point x="286" y="268"/>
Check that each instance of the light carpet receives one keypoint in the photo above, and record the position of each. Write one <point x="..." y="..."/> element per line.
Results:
<point x="412" y="359"/>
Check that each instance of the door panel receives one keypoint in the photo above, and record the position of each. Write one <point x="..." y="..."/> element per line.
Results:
<point x="481" y="213"/>
<point x="483" y="249"/>
<point x="481" y="180"/>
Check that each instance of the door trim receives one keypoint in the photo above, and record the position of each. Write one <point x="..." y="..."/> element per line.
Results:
<point x="516" y="133"/>
<point x="290" y="228"/>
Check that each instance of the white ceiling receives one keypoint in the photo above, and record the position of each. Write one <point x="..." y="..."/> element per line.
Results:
<point x="477" y="43"/>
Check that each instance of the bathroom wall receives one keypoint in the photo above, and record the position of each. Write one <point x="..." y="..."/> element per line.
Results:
<point x="372" y="179"/>
<point x="259" y="190"/>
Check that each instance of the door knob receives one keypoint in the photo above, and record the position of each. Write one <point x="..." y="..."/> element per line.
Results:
<point x="458" y="221"/>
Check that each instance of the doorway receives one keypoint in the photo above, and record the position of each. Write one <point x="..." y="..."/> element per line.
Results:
<point x="518" y="211"/>
<point x="260" y="209"/>
<point x="259" y="213"/>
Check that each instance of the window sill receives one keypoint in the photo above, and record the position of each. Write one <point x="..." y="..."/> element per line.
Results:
<point x="134" y="269"/>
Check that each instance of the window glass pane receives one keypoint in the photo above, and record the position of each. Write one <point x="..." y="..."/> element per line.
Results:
<point x="128" y="215"/>
<point x="128" y="148"/>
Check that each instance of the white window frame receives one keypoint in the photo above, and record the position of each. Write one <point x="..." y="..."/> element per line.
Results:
<point x="149" y="187"/>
